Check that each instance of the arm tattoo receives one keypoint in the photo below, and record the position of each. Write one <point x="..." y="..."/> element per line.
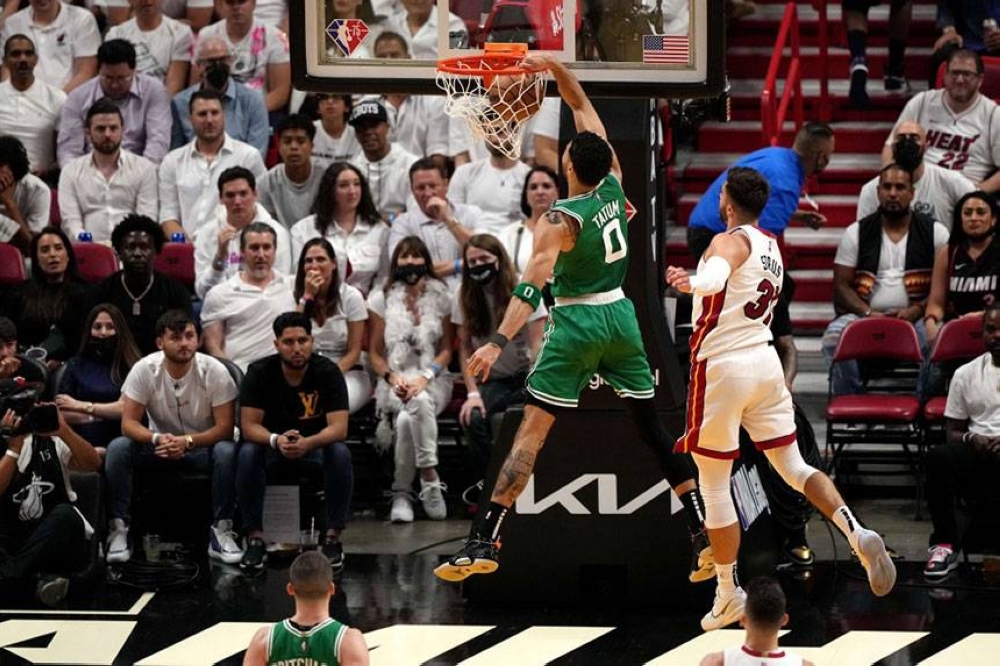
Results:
<point x="514" y="474"/>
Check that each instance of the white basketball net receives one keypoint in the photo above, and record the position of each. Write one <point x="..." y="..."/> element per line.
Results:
<point x="495" y="112"/>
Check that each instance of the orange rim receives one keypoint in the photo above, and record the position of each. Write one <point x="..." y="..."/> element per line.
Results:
<point x="503" y="59"/>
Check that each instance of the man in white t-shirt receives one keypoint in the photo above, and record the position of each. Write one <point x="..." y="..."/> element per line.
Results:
<point x="195" y="13"/>
<point x="968" y="465"/>
<point x="29" y="107"/>
<point x="163" y="45"/>
<point x="882" y="269"/>
<point x="217" y="252"/>
<point x="24" y="199"/>
<point x="189" y="400"/>
<point x="385" y="165"/>
<point x="494" y="185"/>
<point x="963" y="127"/>
<point x="66" y="38"/>
<point x="936" y="190"/>
<point x="288" y="190"/>
<point x="418" y="24"/>
<point x="334" y="140"/>
<point x="237" y="314"/>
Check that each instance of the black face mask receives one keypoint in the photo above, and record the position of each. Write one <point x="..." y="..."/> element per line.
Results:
<point x="217" y="73"/>
<point x="484" y="273"/>
<point x="103" y="347"/>
<point x="907" y="154"/>
<point x="410" y="273"/>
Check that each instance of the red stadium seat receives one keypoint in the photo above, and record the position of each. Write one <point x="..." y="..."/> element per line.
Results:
<point x="960" y="341"/>
<point x="11" y="265"/>
<point x="95" y="261"/>
<point x="177" y="261"/>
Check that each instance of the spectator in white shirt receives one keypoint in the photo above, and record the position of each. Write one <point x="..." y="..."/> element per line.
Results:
<point x="187" y="175"/>
<point x="288" y="190"/>
<point x="195" y="13"/>
<point x="345" y="215"/>
<point x="163" y="45"/>
<point x="97" y="190"/>
<point x="272" y="12"/>
<point x="260" y="52"/>
<point x="443" y="226"/>
<point x="238" y="313"/>
<point x="335" y="140"/>
<point x="29" y="107"/>
<point x="419" y="26"/>
<point x="218" y="254"/>
<point x="66" y="37"/>
<point x="24" y="199"/>
<point x="494" y="185"/>
<point x="541" y="189"/>
<point x="385" y="165"/>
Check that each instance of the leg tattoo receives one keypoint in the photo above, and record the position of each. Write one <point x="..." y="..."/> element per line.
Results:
<point x="514" y="475"/>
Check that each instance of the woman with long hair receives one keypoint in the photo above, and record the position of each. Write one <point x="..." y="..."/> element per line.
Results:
<point x="90" y="391"/>
<point x="48" y="307"/>
<point x="488" y="278"/>
<point x="410" y="350"/>
<point x="344" y="213"/>
<point x="967" y="269"/>
<point x="541" y="188"/>
<point x="338" y="314"/>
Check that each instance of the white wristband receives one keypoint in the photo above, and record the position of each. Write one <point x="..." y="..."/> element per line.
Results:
<point x="156" y="438"/>
<point x="16" y="455"/>
<point x="474" y="394"/>
<point x="711" y="279"/>
<point x="273" y="439"/>
<point x="428" y="374"/>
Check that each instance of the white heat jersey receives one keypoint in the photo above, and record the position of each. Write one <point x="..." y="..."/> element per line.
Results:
<point x="968" y="142"/>
<point x="744" y="656"/>
<point x="739" y="316"/>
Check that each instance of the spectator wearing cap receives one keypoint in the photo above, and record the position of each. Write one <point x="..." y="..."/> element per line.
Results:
<point x="142" y="100"/>
<point x="98" y="189"/>
<point x="66" y="37"/>
<point x="334" y="140"/>
<point x="246" y="115"/>
<point x="162" y="45"/>
<point x="384" y="165"/>
<point x="24" y="199"/>
<point x="288" y="190"/>
<point x="29" y="107"/>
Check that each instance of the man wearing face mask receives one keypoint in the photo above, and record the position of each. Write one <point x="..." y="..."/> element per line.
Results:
<point x="246" y="115"/>
<point x="882" y="269"/>
<point x="936" y="190"/>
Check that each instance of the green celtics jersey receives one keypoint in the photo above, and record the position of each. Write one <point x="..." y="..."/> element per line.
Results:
<point x="599" y="260"/>
<point x="318" y="646"/>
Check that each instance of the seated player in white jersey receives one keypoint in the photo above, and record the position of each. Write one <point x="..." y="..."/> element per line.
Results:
<point x="736" y="380"/>
<point x="764" y="618"/>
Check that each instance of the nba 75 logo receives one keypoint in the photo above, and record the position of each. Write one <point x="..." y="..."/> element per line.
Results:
<point x="347" y="34"/>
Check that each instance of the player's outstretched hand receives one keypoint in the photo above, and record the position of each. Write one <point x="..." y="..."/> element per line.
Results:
<point x="536" y="62"/>
<point x="482" y="360"/>
<point x="679" y="279"/>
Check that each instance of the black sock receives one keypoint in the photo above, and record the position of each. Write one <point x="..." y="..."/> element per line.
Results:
<point x="897" y="51"/>
<point x="694" y="510"/>
<point x="489" y="529"/>
<point x="857" y="43"/>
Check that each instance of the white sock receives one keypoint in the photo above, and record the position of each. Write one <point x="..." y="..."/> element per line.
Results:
<point x="726" y="577"/>
<point x="848" y="524"/>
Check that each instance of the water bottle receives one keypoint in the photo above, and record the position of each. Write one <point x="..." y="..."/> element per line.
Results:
<point x="989" y="25"/>
<point x="85" y="237"/>
<point x="177" y="237"/>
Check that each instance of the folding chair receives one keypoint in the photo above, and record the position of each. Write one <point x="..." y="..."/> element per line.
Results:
<point x="887" y="413"/>
<point x="95" y="261"/>
<point x="11" y="265"/>
<point x="960" y="341"/>
<point x="177" y="261"/>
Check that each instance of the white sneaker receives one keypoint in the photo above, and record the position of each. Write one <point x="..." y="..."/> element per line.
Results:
<point x="223" y="544"/>
<point x="876" y="561"/>
<point x="432" y="498"/>
<point x="118" y="550"/>
<point x="725" y="611"/>
<point x="402" y="508"/>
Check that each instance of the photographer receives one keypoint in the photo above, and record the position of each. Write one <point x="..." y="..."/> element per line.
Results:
<point x="41" y="532"/>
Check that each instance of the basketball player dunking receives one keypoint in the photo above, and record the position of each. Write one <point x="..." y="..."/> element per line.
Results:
<point x="736" y="379"/>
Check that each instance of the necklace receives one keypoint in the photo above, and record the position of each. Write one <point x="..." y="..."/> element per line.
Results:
<point x="136" y="308"/>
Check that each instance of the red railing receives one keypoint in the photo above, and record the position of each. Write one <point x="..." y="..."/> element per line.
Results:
<point x="773" y="112"/>
<point x="825" y="111"/>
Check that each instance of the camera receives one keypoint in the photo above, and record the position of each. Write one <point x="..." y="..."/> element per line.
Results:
<point x="22" y="398"/>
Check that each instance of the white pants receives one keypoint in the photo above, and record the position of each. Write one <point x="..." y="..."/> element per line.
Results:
<point x="359" y="389"/>
<point x="417" y="431"/>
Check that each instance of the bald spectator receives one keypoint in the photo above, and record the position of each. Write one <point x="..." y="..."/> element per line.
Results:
<point x="288" y="190"/>
<point x="66" y="38"/>
<point x="963" y="132"/>
<point x="260" y="52"/>
<point x="24" y="198"/>
<point x="246" y="115"/>
<point x="334" y="140"/>
<point x="385" y="165"/>
<point x="29" y="107"/>
<point x="162" y="45"/>
<point x="195" y="13"/>
<point x="97" y="190"/>
<point x="188" y="197"/>
<point x="418" y="24"/>
<point x="936" y="190"/>
<point x="142" y="100"/>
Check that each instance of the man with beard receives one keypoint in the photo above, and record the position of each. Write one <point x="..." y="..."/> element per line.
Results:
<point x="142" y="294"/>
<point x="882" y="269"/>
<point x="141" y="99"/>
<point x="936" y="190"/>
<point x="963" y="132"/>
<point x="384" y="165"/>
<point x="288" y="190"/>
<point x="294" y="408"/>
<point x="189" y="402"/>
<point x="246" y="115"/>
<point x="969" y="463"/>
<point x="238" y="312"/>
<point x="98" y="189"/>
<point x="67" y="39"/>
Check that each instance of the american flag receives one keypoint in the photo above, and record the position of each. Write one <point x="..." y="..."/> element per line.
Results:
<point x="666" y="49"/>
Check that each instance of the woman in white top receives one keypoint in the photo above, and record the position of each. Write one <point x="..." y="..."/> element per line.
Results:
<point x="344" y="213"/>
<point x="338" y="315"/>
<point x="410" y="351"/>
<point x="541" y="189"/>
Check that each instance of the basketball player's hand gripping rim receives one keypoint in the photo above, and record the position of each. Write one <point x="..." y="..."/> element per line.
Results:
<point x="679" y="279"/>
<point x="482" y="360"/>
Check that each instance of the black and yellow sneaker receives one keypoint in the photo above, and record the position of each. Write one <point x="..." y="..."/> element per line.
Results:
<point x="478" y="556"/>
<point x="702" y="560"/>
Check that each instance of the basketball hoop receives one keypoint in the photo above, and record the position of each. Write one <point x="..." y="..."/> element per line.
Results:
<point x="493" y="93"/>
